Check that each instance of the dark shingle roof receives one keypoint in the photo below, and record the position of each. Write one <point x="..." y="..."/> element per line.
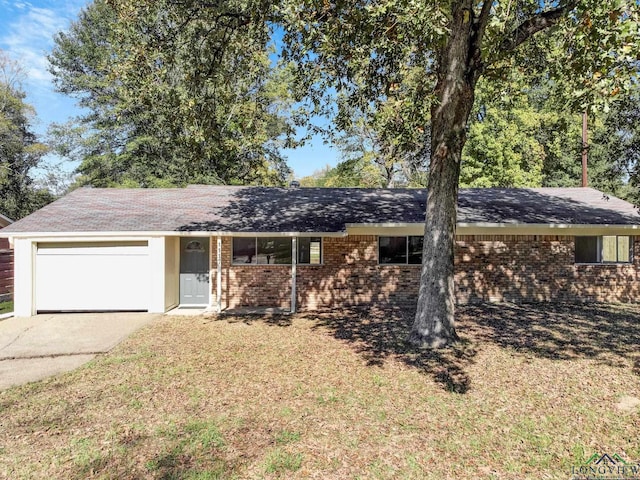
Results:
<point x="261" y="209"/>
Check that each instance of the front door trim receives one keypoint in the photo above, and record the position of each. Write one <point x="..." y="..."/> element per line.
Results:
<point x="195" y="275"/>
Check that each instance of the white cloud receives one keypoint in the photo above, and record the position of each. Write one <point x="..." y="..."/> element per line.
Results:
<point x="27" y="29"/>
<point x="29" y="38"/>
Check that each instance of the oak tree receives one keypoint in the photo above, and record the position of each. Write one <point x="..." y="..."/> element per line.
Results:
<point x="364" y="49"/>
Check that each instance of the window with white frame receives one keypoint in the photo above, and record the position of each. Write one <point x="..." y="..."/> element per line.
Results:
<point x="275" y="250"/>
<point x="309" y="250"/>
<point x="604" y="249"/>
<point x="405" y="250"/>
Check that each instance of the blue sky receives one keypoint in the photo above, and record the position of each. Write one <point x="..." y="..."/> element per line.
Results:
<point x="27" y="29"/>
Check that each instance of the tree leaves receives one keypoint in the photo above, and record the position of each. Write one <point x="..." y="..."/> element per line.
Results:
<point x="177" y="93"/>
<point x="20" y="151"/>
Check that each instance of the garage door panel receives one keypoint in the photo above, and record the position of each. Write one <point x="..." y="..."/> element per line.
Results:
<point x="109" y="277"/>
<point x="93" y="248"/>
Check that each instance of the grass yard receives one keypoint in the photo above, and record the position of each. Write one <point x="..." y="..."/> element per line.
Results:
<point x="6" y="307"/>
<point x="529" y="392"/>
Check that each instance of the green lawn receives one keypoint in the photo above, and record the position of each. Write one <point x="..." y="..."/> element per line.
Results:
<point x="529" y="392"/>
<point x="6" y="307"/>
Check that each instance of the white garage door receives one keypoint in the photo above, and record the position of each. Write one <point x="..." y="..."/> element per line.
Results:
<point x="92" y="276"/>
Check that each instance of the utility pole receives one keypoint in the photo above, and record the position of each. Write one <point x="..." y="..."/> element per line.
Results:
<point x="585" y="147"/>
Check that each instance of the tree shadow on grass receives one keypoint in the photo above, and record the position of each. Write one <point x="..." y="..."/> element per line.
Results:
<point x="271" y="319"/>
<point x="605" y="333"/>
<point x="379" y="334"/>
<point x="608" y="334"/>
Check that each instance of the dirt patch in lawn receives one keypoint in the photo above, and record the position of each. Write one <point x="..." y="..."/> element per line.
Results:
<point x="528" y="392"/>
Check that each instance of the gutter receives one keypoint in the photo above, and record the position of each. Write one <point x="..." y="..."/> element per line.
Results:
<point x="486" y="228"/>
<point x="397" y="228"/>
<point x="137" y="235"/>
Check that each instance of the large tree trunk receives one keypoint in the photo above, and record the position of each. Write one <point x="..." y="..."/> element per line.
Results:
<point x="434" y="321"/>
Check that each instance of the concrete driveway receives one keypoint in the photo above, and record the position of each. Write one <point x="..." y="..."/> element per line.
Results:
<point x="37" y="347"/>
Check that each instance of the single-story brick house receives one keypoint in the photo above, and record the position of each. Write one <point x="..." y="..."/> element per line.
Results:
<point x="310" y="248"/>
<point x="6" y="263"/>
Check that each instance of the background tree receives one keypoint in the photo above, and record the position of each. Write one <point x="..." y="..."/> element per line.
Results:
<point x="379" y="150"/>
<point x="177" y="94"/>
<point x="502" y="148"/>
<point x="388" y="137"/>
<point x="614" y="158"/>
<point x="20" y="151"/>
<point x="356" y="172"/>
<point x="362" y="48"/>
<point x="522" y="135"/>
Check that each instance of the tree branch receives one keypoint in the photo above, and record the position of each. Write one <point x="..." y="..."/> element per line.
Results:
<point x="482" y="21"/>
<point x="480" y="25"/>
<point x="533" y="25"/>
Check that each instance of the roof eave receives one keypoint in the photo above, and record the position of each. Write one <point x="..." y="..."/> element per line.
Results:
<point x="172" y="233"/>
<point x="487" y="228"/>
<point x="5" y="221"/>
<point x="392" y="228"/>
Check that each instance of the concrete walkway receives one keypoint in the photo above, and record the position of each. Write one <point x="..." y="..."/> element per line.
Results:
<point x="37" y="347"/>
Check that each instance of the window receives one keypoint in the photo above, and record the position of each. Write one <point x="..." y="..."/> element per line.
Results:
<point x="275" y="250"/>
<point x="310" y="250"/>
<point x="415" y="250"/>
<point x="400" y="250"/>
<point x="605" y="249"/>
<point x="392" y="250"/>
<point x="244" y="250"/>
<point x="194" y="246"/>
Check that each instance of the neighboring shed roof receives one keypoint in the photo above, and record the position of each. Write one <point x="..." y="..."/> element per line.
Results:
<point x="262" y="209"/>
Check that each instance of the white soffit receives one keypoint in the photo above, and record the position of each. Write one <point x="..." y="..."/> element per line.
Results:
<point x="495" y="229"/>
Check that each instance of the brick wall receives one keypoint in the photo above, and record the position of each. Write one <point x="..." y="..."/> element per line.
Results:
<point x="538" y="268"/>
<point x="350" y="275"/>
<point x="6" y="270"/>
<point x="250" y="285"/>
<point x="488" y="268"/>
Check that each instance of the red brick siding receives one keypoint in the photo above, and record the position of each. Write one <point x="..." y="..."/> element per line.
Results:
<point x="350" y="275"/>
<point x="6" y="268"/>
<point x="538" y="268"/>
<point x="488" y="268"/>
<point x="251" y="285"/>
